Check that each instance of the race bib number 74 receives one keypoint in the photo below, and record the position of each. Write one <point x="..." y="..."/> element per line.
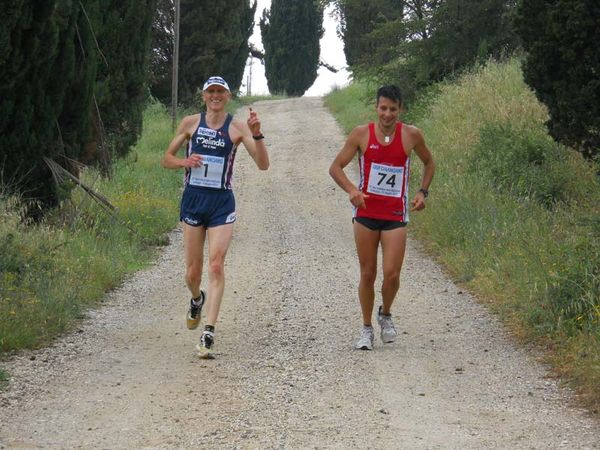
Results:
<point x="385" y="180"/>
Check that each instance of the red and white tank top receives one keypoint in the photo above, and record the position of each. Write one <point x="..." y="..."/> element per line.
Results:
<point x="384" y="171"/>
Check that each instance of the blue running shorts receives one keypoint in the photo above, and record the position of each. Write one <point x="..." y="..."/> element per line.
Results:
<point x="207" y="207"/>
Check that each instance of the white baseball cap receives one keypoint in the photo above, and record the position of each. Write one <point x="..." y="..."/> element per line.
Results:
<point x="216" y="81"/>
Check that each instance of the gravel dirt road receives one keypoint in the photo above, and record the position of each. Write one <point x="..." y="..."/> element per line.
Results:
<point x="286" y="375"/>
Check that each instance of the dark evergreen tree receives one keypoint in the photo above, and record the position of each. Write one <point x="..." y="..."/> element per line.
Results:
<point x="50" y="52"/>
<point x="562" y="65"/>
<point x="291" y="31"/>
<point x="466" y="31"/>
<point x="79" y="113"/>
<point x="418" y="15"/>
<point x="121" y="87"/>
<point x="47" y="67"/>
<point x="213" y="41"/>
<point x="366" y="28"/>
<point x="161" y="51"/>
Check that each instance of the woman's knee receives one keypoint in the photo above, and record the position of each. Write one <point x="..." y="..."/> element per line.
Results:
<point x="216" y="268"/>
<point x="193" y="273"/>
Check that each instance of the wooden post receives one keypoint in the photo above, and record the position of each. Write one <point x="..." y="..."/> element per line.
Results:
<point x="249" y="82"/>
<point x="175" y="68"/>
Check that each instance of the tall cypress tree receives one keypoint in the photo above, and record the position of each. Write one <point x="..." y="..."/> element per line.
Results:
<point x="562" y="65"/>
<point x="43" y="81"/>
<point x="213" y="41"/>
<point x="76" y="116"/>
<point x="121" y="88"/>
<point x="465" y="31"/>
<point x="161" y="51"/>
<point x="291" y="31"/>
<point x="49" y="52"/>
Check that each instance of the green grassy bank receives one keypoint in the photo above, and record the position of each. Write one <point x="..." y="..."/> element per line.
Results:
<point x="512" y="215"/>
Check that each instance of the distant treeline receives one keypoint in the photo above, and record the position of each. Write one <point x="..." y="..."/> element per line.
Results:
<point x="415" y="43"/>
<point x="214" y="40"/>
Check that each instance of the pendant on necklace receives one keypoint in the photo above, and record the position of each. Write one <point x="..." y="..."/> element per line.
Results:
<point x="386" y="139"/>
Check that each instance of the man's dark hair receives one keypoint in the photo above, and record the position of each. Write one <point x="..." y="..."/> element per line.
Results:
<point x="390" y="91"/>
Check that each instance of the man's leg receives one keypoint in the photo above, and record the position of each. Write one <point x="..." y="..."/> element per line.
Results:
<point x="393" y="245"/>
<point x="219" y="238"/>
<point x="193" y="244"/>
<point x="367" y="242"/>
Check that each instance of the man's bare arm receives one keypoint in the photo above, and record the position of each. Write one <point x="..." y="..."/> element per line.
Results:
<point x="343" y="158"/>
<point x="425" y="156"/>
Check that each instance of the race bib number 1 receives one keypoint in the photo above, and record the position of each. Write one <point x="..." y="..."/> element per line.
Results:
<point x="209" y="174"/>
<point x="386" y="180"/>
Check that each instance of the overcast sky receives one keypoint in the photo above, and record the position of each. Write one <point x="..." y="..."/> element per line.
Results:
<point x="332" y="52"/>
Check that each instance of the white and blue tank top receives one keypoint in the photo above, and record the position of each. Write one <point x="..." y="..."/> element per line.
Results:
<point x="218" y="154"/>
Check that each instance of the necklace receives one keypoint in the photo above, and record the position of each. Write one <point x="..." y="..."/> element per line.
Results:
<point x="386" y="137"/>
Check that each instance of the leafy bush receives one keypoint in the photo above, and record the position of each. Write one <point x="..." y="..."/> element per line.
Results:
<point x="574" y="293"/>
<point x="527" y="164"/>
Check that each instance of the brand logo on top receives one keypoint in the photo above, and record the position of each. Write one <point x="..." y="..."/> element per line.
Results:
<point x="209" y="142"/>
<point x="207" y="132"/>
<point x="374" y="147"/>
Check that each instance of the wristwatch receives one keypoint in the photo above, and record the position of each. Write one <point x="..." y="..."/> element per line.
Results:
<point x="424" y="191"/>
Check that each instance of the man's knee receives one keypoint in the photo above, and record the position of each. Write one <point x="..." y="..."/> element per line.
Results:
<point x="368" y="275"/>
<point x="391" y="277"/>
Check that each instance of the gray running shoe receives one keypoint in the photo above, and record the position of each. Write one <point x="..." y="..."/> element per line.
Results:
<point x="367" y="336"/>
<point x="388" y="331"/>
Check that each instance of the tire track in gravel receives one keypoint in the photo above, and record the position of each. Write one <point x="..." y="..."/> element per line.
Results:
<point x="285" y="374"/>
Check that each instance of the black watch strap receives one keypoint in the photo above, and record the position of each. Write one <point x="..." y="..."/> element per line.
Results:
<point x="425" y="192"/>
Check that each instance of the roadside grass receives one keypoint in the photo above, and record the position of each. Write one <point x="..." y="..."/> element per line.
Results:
<point x="512" y="215"/>
<point x="352" y="105"/>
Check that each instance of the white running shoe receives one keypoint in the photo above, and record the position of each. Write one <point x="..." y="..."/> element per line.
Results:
<point x="388" y="331"/>
<point x="205" y="347"/>
<point x="367" y="336"/>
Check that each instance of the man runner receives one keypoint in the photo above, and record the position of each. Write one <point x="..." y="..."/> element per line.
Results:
<point x="380" y="203"/>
